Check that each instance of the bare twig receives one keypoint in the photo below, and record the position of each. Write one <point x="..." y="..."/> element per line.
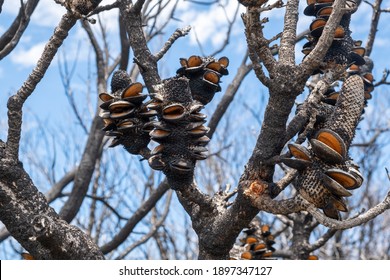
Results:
<point x="352" y="222"/>
<point x="142" y="211"/>
<point x="180" y="32"/>
<point x="152" y="231"/>
<point x="229" y="30"/>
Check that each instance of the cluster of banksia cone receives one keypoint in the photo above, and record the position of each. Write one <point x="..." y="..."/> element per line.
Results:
<point x="344" y="50"/>
<point x="326" y="173"/>
<point x="257" y="243"/>
<point x="172" y="117"/>
<point x="178" y="101"/>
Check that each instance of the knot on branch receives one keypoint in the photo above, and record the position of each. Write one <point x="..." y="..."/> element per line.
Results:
<point x="256" y="189"/>
<point x="43" y="228"/>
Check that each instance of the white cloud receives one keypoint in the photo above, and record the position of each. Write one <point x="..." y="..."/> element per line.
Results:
<point x="9" y="7"/>
<point x="47" y="13"/>
<point x="210" y="25"/>
<point x="27" y="57"/>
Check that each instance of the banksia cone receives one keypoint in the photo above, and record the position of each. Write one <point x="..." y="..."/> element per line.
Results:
<point x="257" y="243"/>
<point x="204" y="75"/>
<point x="83" y="7"/>
<point x="365" y="72"/>
<point x="326" y="174"/>
<point x="343" y="50"/>
<point x="179" y="129"/>
<point x="125" y="116"/>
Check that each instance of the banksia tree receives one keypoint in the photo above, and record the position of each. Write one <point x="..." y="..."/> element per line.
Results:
<point x="302" y="170"/>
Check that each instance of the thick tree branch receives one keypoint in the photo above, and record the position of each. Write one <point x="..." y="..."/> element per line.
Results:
<point x="147" y="62"/>
<point x="287" y="42"/>
<point x="15" y="102"/>
<point x="315" y="57"/>
<point x="309" y="108"/>
<point x="36" y="226"/>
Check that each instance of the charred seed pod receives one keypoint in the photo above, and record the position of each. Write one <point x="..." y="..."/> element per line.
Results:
<point x="256" y="244"/>
<point x="348" y="109"/>
<point x="343" y="50"/>
<point x="83" y="7"/>
<point x="204" y="75"/>
<point x="126" y="117"/>
<point x="325" y="173"/>
<point x="180" y="130"/>
<point x="365" y="72"/>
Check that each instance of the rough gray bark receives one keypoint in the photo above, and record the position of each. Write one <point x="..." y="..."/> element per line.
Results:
<point x="36" y="226"/>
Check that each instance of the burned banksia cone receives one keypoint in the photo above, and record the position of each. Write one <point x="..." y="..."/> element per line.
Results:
<point x="326" y="173"/>
<point x="126" y="118"/>
<point x="204" y="74"/>
<point x="364" y="71"/>
<point x="257" y="243"/>
<point x="343" y="50"/>
<point x="180" y="129"/>
<point x="82" y="7"/>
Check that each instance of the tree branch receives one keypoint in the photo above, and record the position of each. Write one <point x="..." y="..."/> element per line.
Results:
<point x="180" y="32"/>
<point x="152" y="231"/>
<point x="287" y="42"/>
<point x="147" y="63"/>
<point x="376" y="13"/>
<point x="141" y="212"/>
<point x="11" y="37"/>
<point x="36" y="226"/>
<point x="322" y="240"/>
<point x="229" y="95"/>
<point x="15" y="102"/>
<point x="92" y="148"/>
<point x="352" y="222"/>
<point x="316" y="56"/>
